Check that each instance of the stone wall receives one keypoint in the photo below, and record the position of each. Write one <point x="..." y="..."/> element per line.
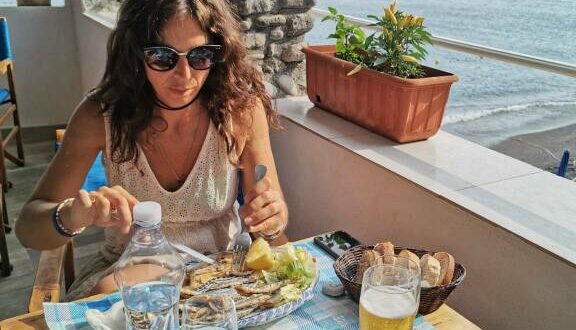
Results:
<point x="274" y="36"/>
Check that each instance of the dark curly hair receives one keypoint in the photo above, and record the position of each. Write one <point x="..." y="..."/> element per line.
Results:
<point x="232" y="90"/>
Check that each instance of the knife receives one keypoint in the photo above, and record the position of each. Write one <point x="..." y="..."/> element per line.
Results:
<point x="193" y="253"/>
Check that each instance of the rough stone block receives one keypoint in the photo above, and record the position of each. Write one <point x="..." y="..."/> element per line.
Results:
<point x="246" y="24"/>
<point x="271" y="20"/>
<point x="271" y="90"/>
<point x="298" y="73"/>
<point x="250" y="7"/>
<point x="273" y="65"/>
<point x="255" y="40"/>
<point x="299" y="24"/>
<point x="287" y="85"/>
<point x="304" y="4"/>
<point x="258" y="66"/>
<point x="275" y="50"/>
<point x="277" y="33"/>
<point x="256" y="56"/>
<point x="293" y="53"/>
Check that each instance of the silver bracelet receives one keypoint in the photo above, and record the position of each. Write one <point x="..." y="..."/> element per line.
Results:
<point x="273" y="236"/>
<point x="57" y="221"/>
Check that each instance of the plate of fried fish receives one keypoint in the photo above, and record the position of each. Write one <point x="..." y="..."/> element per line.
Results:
<point x="273" y="282"/>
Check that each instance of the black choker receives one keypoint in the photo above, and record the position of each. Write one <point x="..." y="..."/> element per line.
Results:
<point x="167" y="107"/>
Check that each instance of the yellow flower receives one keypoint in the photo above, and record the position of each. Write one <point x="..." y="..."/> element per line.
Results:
<point x="386" y="13"/>
<point x="391" y="16"/>
<point x="402" y="22"/>
<point x="393" y="6"/>
<point x="408" y="58"/>
<point x="409" y="19"/>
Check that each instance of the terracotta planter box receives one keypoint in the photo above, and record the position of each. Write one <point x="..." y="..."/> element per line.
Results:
<point x="404" y="110"/>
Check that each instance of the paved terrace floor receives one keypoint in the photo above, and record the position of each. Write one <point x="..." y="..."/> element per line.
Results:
<point x="15" y="289"/>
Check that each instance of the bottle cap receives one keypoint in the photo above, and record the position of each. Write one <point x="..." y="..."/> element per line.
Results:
<point x="60" y="135"/>
<point x="333" y="289"/>
<point x="147" y="214"/>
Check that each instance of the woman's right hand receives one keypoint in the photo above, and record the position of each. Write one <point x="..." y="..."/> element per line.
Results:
<point x="107" y="207"/>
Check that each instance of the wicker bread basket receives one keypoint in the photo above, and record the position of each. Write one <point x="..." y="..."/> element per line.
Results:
<point x="430" y="298"/>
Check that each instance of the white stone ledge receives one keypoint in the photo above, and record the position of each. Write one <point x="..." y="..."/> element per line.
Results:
<point x="531" y="203"/>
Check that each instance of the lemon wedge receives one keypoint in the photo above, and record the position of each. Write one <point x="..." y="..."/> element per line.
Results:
<point x="259" y="255"/>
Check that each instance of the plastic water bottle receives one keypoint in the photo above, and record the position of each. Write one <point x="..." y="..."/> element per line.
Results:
<point x="150" y="273"/>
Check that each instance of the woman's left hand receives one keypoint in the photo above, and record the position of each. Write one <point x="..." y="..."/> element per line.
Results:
<point x="264" y="210"/>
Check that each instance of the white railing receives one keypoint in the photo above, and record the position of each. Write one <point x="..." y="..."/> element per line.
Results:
<point x="558" y="67"/>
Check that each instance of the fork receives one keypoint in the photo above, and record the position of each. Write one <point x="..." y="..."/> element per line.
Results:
<point x="242" y="240"/>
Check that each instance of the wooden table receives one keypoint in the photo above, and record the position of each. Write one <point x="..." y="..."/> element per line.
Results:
<point x="444" y="318"/>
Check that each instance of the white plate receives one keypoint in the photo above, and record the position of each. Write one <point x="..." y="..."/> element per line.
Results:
<point x="273" y="314"/>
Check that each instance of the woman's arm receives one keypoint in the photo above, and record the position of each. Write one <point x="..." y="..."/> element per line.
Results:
<point x="264" y="210"/>
<point x="62" y="179"/>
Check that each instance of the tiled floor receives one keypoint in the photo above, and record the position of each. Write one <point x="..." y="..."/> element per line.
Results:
<point x="15" y="289"/>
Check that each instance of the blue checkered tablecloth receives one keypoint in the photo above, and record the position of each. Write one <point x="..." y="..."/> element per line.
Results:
<point x="321" y="312"/>
<point x="72" y="315"/>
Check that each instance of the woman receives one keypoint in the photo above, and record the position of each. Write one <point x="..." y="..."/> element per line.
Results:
<point x="179" y="110"/>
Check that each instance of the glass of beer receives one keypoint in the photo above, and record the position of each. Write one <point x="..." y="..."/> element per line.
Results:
<point x="390" y="294"/>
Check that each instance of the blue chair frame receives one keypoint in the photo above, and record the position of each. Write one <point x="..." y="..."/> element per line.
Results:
<point x="10" y="103"/>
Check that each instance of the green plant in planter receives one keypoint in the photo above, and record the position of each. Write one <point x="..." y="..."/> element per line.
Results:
<point x="396" y="49"/>
<point x="350" y="38"/>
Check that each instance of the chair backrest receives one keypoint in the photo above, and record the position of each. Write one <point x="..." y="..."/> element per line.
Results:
<point x="5" y="50"/>
<point x="6" y="95"/>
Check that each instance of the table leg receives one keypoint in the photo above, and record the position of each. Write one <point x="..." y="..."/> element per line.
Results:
<point x="5" y="266"/>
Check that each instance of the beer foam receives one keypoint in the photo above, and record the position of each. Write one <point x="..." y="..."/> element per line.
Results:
<point x="388" y="302"/>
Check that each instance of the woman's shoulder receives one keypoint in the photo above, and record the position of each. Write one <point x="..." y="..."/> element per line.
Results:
<point x="88" y="112"/>
<point x="250" y="124"/>
<point x="87" y="121"/>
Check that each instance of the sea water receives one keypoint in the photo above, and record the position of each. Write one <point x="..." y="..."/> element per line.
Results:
<point x="152" y="305"/>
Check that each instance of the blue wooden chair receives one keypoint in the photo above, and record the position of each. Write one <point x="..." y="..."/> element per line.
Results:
<point x="8" y="107"/>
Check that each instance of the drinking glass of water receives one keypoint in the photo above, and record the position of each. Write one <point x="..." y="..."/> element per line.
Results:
<point x="390" y="295"/>
<point x="209" y="312"/>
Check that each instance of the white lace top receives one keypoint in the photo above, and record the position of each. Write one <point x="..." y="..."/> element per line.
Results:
<point x="201" y="214"/>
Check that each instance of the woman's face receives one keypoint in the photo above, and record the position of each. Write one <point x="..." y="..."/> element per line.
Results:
<point x="180" y="85"/>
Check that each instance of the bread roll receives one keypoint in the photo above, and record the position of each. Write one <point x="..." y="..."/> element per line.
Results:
<point x="446" y="267"/>
<point x="385" y="249"/>
<point x="369" y="258"/>
<point x="411" y="256"/>
<point x="430" y="270"/>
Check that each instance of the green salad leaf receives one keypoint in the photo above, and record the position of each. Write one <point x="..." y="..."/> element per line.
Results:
<point x="294" y="265"/>
<point x="290" y="293"/>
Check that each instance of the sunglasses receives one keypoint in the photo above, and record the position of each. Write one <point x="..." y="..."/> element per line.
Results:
<point x="165" y="58"/>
